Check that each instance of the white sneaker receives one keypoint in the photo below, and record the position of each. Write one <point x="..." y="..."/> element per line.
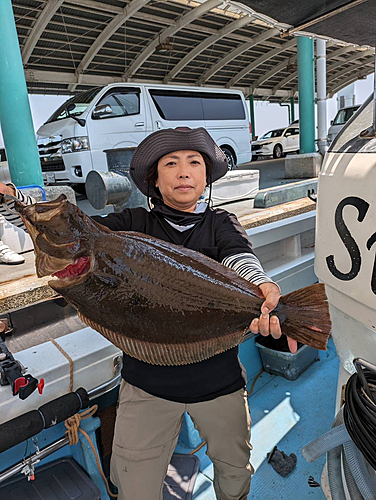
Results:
<point x="7" y="256"/>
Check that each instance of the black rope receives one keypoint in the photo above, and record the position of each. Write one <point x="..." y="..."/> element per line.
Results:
<point x="360" y="414"/>
<point x="210" y="201"/>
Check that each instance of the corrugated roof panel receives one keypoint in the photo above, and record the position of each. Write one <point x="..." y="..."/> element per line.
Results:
<point x="74" y="29"/>
<point x="95" y="16"/>
<point x="169" y="11"/>
<point x="117" y="3"/>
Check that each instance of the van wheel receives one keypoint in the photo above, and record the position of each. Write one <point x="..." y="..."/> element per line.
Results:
<point x="230" y="158"/>
<point x="79" y="189"/>
<point x="277" y="151"/>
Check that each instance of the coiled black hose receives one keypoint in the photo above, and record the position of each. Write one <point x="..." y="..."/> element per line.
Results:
<point x="360" y="413"/>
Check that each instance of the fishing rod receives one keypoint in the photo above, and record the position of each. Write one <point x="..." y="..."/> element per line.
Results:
<point x="31" y="423"/>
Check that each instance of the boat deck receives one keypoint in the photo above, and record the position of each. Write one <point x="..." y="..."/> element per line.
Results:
<point x="288" y="414"/>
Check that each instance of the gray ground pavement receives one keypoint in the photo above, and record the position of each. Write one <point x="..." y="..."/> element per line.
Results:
<point x="272" y="173"/>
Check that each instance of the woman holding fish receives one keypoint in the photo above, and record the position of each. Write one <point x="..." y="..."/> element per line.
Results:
<point x="173" y="167"/>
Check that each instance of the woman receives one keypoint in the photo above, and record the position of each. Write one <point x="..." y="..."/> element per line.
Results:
<point x="173" y="167"/>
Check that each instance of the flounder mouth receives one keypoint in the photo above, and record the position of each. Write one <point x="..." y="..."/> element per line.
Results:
<point x="77" y="270"/>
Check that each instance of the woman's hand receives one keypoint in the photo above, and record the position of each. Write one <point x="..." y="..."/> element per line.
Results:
<point x="4" y="189"/>
<point x="266" y="324"/>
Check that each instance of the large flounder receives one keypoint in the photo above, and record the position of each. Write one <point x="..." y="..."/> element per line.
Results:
<point x="158" y="302"/>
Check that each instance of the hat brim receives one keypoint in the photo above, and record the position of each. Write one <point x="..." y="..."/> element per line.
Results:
<point x="162" y="142"/>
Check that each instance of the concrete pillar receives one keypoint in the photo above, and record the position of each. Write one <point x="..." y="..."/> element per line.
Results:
<point x="252" y="115"/>
<point x="15" y="114"/>
<point x="306" y="79"/>
<point x="321" y="95"/>
<point x="292" y="105"/>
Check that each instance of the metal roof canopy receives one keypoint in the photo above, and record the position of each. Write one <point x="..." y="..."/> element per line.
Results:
<point x="71" y="45"/>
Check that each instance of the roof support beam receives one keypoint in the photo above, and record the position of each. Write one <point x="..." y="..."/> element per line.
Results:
<point x="96" y="5"/>
<point x="43" y="77"/>
<point x="289" y="78"/>
<point x="226" y="30"/>
<point x="350" y="69"/>
<point x="253" y="65"/>
<point x="354" y="57"/>
<point x="274" y="71"/>
<point x="260" y="38"/>
<point x="348" y="81"/>
<point x="107" y="33"/>
<point x="180" y="23"/>
<point x="38" y="28"/>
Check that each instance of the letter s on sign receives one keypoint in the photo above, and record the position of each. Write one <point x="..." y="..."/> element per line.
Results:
<point x="347" y="239"/>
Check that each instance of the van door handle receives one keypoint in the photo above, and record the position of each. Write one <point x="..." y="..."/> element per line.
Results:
<point x="159" y="124"/>
<point x="139" y="124"/>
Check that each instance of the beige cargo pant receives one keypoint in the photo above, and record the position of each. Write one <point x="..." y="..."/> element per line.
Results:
<point x="146" y="433"/>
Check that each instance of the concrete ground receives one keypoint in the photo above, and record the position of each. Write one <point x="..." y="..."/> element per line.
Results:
<point x="271" y="174"/>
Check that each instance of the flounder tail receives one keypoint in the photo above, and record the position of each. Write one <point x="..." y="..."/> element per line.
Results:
<point x="307" y="316"/>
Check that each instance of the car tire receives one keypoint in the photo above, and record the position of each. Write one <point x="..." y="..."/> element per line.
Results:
<point x="230" y="158"/>
<point x="277" y="151"/>
<point x="79" y="189"/>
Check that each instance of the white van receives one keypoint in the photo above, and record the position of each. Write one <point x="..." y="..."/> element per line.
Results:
<point x="343" y="115"/>
<point x="74" y="139"/>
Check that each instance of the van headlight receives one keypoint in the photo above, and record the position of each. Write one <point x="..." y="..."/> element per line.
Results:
<point x="75" y="144"/>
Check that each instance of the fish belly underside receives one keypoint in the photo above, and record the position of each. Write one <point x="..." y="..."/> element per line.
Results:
<point x="174" y="332"/>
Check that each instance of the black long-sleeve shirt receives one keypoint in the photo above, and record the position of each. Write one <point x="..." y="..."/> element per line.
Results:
<point x="219" y="236"/>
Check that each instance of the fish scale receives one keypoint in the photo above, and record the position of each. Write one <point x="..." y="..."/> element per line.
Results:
<point x="159" y="302"/>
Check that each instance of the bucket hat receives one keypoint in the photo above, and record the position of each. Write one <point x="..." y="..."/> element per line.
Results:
<point x="165" y="141"/>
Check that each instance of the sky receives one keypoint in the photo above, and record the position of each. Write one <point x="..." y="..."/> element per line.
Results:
<point x="267" y="116"/>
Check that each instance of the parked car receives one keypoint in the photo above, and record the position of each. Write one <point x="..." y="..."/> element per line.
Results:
<point x="75" y="138"/>
<point x="343" y="115"/>
<point x="277" y="142"/>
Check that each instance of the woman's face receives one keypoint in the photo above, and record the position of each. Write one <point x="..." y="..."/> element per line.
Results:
<point x="181" y="179"/>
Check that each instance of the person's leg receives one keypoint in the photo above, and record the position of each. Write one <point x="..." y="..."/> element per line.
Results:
<point x="146" y="433"/>
<point x="225" y="424"/>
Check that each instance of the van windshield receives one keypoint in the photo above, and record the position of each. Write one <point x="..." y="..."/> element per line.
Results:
<point x="349" y="140"/>
<point x="344" y="115"/>
<point x="81" y="101"/>
<point x="273" y="133"/>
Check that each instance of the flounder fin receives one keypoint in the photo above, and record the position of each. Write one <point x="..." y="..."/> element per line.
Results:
<point x="307" y="316"/>
<point x="167" y="354"/>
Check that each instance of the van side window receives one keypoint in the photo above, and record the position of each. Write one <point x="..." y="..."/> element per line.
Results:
<point x="186" y="105"/>
<point x="176" y="105"/>
<point x="121" y="103"/>
<point x="222" y="106"/>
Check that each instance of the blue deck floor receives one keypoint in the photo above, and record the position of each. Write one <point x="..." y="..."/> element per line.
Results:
<point x="288" y="414"/>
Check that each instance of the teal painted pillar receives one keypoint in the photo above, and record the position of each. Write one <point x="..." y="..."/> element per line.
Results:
<point x="292" y="105"/>
<point x="306" y="79"/>
<point x="252" y="114"/>
<point x="15" y="114"/>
